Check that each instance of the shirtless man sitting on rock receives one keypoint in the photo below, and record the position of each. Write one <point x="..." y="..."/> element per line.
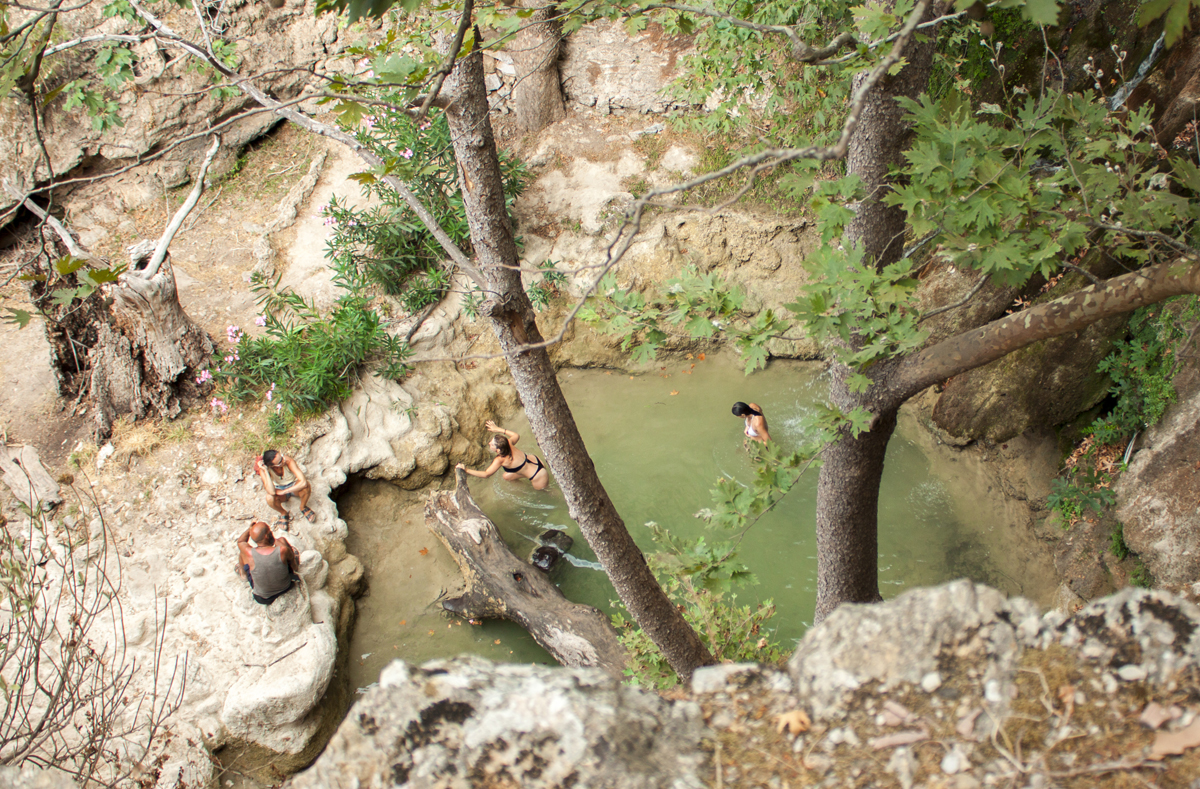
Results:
<point x="281" y="479"/>
<point x="269" y="565"/>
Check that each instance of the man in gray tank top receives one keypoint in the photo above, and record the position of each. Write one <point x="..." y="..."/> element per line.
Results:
<point x="269" y="565"/>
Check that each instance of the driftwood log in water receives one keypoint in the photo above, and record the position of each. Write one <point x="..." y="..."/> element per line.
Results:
<point x="499" y="585"/>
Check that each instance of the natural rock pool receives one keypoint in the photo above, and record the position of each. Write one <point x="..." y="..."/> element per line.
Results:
<point x="659" y="441"/>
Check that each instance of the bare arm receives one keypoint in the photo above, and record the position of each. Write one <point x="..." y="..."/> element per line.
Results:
<point x="512" y="437"/>
<point x="301" y="480"/>
<point x="489" y="471"/>
<point x="264" y="477"/>
<point x="289" y="555"/>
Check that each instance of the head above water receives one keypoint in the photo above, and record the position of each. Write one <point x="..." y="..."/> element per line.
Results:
<point x="499" y="445"/>
<point x="260" y="532"/>
<point x="271" y="457"/>
<point x="743" y="409"/>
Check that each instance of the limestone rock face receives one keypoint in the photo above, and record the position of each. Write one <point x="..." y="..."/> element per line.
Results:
<point x="290" y="664"/>
<point x="1036" y="388"/>
<point x="1156" y="496"/>
<point x="947" y="665"/>
<point x="900" y="641"/>
<point x="467" y="722"/>
<point x="605" y="68"/>
<point x="169" y="102"/>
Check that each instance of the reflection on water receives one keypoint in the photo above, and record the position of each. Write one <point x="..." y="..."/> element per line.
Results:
<point x="660" y="441"/>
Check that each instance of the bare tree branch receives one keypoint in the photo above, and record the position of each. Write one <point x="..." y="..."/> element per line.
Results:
<point x="160" y="251"/>
<point x="325" y="130"/>
<point x="1070" y="313"/>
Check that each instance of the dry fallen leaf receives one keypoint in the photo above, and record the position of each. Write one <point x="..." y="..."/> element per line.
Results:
<point x="404" y="621"/>
<point x="1172" y="743"/>
<point x="689" y="356"/>
<point x="497" y="641"/>
<point x="423" y="551"/>
<point x="430" y="632"/>
<point x="674" y="392"/>
<point x="796" y="722"/>
<point x="700" y="356"/>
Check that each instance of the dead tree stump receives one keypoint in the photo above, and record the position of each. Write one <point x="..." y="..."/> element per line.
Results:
<point x="128" y="347"/>
<point x="501" y="586"/>
<point x="142" y="359"/>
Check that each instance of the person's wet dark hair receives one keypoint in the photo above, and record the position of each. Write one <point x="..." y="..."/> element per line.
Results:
<point x="742" y="409"/>
<point x="502" y="445"/>
<point x="269" y="456"/>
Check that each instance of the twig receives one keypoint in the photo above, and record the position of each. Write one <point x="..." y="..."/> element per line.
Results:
<point x="946" y="308"/>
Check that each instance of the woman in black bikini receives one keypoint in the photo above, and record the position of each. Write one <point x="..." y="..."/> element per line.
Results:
<point x="516" y="464"/>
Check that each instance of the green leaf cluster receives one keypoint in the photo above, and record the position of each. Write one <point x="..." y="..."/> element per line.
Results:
<point x="387" y="244"/>
<point x="306" y="360"/>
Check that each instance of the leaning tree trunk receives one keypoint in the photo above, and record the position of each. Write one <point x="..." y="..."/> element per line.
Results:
<point x="512" y="319"/>
<point x="852" y="468"/>
<point x="499" y="585"/>
<point x="537" y="95"/>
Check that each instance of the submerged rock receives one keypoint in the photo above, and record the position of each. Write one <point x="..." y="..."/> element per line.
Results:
<point x="553" y="545"/>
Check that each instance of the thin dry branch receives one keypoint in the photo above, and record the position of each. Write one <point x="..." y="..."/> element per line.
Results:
<point x="160" y="251"/>
<point x="323" y="129"/>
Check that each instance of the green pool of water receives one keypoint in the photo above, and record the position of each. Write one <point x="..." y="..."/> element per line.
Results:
<point x="660" y="440"/>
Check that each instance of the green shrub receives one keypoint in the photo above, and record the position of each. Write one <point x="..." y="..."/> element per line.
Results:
<point x="306" y="360"/>
<point x="699" y="579"/>
<point x="387" y="244"/>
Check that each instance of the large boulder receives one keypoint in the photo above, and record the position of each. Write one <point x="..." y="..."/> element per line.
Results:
<point x="930" y="689"/>
<point x="467" y="722"/>
<point x="1157" y="495"/>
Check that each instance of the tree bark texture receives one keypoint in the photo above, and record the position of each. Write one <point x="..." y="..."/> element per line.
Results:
<point x="501" y="586"/>
<point x="1070" y="313"/>
<point x="879" y="143"/>
<point x="142" y="360"/>
<point x="512" y="319"/>
<point x="848" y="504"/>
<point x="537" y="95"/>
<point x="852" y="468"/>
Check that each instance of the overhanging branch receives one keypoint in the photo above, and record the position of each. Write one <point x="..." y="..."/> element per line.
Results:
<point x="1070" y="313"/>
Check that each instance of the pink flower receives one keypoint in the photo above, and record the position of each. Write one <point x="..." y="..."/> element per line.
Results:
<point x="218" y="405"/>
<point x="233" y="334"/>
<point x="260" y="320"/>
<point x="204" y="376"/>
<point x="407" y="153"/>
<point x="369" y="122"/>
<point x="423" y="126"/>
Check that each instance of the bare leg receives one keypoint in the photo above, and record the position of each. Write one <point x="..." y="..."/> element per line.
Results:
<point x="276" y="503"/>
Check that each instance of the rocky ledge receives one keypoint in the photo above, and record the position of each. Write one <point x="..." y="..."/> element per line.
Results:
<point x="954" y="686"/>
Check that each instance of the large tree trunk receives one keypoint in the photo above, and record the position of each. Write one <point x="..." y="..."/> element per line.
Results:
<point x="512" y="319"/>
<point x="852" y="468"/>
<point x="879" y="144"/>
<point x="537" y="95"/>
<point x="501" y="586"/>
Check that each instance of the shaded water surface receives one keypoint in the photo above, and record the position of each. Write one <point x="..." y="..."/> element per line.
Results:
<point x="660" y="441"/>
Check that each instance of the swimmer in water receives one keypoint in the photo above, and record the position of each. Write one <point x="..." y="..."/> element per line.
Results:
<point x="756" y="423"/>
<point x="516" y="464"/>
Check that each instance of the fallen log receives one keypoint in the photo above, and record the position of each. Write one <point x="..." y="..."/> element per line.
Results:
<point x="501" y="586"/>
